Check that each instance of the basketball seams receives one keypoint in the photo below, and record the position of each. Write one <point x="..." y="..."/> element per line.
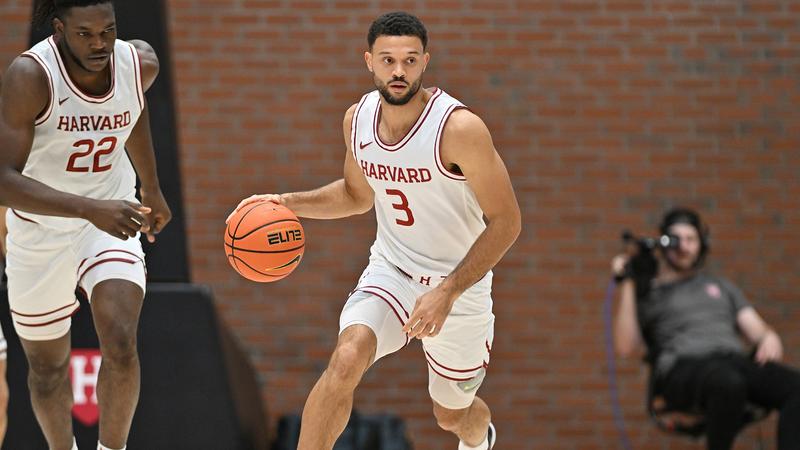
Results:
<point x="256" y="270"/>
<point x="260" y="227"/>
<point x="264" y="251"/>
<point x="233" y="238"/>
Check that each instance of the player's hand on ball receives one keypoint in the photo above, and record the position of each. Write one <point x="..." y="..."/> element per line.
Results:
<point x="274" y="198"/>
<point x="430" y="313"/>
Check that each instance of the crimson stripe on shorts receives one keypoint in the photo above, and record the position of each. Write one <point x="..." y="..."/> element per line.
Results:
<point x="103" y="261"/>
<point x="47" y="313"/>
<point x="445" y="376"/>
<point x="451" y="370"/>
<point x="109" y="251"/>
<point x="23" y="218"/>
<point x="390" y="305"/>
<point x="394" y="310"/>
<point x="50" y="322"/>
<point x="390" y="295"/>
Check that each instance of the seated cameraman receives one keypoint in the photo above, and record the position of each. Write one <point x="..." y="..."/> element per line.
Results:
<point x="691" y="322"/>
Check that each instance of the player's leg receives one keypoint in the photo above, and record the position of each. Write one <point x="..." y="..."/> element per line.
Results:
<point x="116" y="305"/>
<point x="328" y="406"/>
<point x="457" y="361"/>
<point x="470" y="424"/>
<point x="112" y="274"/>
<point x="41" y="283"/>
<point x="51" y="391"/>
<point x="371" y="326"/>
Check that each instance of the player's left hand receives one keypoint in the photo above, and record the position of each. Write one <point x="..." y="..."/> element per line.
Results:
<point x="430" y="312"/>
<point x="160" y="214"/>
<point x="769" y="349"/>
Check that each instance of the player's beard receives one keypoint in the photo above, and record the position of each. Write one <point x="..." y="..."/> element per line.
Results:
<point x="383" y="88"/>
<point x="71" y="55"/>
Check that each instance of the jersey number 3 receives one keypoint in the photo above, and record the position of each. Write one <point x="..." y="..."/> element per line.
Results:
<point x="402" y="206"/>
<point x="104" y="146"/>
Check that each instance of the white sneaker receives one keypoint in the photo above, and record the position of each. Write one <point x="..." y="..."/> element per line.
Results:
<point x="492" y="435"/>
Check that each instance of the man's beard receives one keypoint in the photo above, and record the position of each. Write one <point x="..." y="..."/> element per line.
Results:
<point x="384" y="90"/>
<point x="681" y="267"/>
<point x="71" y="55"/>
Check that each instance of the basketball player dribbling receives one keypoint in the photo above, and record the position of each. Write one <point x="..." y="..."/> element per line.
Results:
<point x="429" y="167"/>
<point x="71" y="105"/>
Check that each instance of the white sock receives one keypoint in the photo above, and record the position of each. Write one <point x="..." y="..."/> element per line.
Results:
<point x="74" y="444"/>
<point x="482" y="446"/>
<point x="103" y="447"/>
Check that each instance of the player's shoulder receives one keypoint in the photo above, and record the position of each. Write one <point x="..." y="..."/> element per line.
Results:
<point x="24" y="77"/>
<point x="463" y="120"/>
<point x="351" y="111"/>
<point x="26" y="68"/>
<point x="464" y="126"/>
<point x="149" y="61"/>
<point x="349" y="114"/>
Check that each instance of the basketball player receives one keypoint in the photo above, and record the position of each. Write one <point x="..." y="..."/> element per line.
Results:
<point x="429" y="167"/>
<point x="71" y="106"/>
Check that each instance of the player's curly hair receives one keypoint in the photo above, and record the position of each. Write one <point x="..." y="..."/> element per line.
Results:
<point x="45" y="10"/>
<point x="397" y="23"/>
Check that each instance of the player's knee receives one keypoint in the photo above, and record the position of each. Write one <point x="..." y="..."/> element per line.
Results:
<point x="119" y="348"/>
<point x="45" y="374"/>
<point x="347" y="365"/>
<point x="449" y="419"/>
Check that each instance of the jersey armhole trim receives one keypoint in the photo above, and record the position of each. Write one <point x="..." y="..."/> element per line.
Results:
<point x="437" y="146"/>
<point x="137" y="69"/>
<point x="354" y="126"/>
<point x="48" y="110"/>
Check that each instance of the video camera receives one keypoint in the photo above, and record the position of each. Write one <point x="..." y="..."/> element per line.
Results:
<point x="647" y="244"/>
<point x="643" y="266"/>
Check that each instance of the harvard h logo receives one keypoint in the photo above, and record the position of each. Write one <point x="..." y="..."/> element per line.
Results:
<point x="83" y="369"/>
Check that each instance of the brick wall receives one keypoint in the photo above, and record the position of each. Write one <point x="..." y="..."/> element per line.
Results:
<point x="606" y="112"/>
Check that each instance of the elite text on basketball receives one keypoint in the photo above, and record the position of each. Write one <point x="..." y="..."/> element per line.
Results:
<point x="279" y="237"/>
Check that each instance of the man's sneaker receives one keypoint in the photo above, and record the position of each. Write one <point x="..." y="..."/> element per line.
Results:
<point x="492" y="435"/>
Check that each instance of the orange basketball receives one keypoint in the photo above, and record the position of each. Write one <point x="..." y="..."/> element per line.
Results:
<point x="264" y="241"/>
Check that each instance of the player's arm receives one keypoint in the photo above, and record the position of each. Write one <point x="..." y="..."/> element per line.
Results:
<point x="344" y="197"/>
<point x="24" y="94"/>
<point x="466" y="143"/>
<point x="140" y="149"/>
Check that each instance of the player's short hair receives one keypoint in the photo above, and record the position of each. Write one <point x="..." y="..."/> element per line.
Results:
<point x="397" y="23"/>
<point x="47" y="9"/>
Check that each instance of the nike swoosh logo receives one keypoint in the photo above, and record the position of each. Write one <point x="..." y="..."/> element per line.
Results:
<point x="294" y="260"/>
<point x="61" y="101"/>
<point x="362" y="145"/>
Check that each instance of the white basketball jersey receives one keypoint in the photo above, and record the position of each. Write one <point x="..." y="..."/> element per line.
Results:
<point x="79" y="140"/>
<point x="428" y="217"/>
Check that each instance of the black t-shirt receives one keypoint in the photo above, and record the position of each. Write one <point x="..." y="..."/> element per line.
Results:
<point x="695" y="316"/>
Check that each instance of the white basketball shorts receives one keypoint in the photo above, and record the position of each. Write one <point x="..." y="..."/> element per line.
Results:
<point x="44" y="266"/>
<point x="457" y="357"/>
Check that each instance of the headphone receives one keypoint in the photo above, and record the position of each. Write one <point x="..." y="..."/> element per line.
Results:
<point x="689" y="217"/>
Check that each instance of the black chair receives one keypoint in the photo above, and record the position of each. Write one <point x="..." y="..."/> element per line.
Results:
<point x="691" y="422"/>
